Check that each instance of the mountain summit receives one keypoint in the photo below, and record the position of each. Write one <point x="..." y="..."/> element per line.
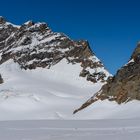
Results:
<point x="45" y="74"/>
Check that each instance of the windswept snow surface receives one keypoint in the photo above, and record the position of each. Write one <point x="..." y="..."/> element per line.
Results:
<point x="54" y="94"/>
<point x="70" y="130"/>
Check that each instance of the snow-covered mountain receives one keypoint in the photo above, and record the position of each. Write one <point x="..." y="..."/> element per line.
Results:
<point x="45" y="75"/>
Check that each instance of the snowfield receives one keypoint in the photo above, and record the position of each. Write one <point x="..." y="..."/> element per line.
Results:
<point x="71" y="130"/>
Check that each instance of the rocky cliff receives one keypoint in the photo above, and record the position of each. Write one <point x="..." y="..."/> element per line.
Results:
<point x="124" y="86"/>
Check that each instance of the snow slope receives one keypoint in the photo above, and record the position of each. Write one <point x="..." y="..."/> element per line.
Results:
<point x="42" y="93"/>
<point x="54" y="94"/>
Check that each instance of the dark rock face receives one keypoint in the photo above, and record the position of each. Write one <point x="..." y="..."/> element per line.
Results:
<point x="124" y="86"/>
<point x="1" y="79"/>
<point x="33" y="45"/>
<point x="2" y="20"/>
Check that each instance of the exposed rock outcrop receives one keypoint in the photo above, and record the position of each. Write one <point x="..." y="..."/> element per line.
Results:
<point x="1" y="79"/>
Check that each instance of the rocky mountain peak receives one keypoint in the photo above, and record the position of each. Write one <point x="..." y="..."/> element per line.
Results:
<point x="136" y="54"/>
<point x="34" y="27"/>
<point x="33" y="45"/>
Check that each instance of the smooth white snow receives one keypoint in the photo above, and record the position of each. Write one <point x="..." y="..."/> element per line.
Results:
<point x="42" y="93"/>
<point x="70" y="130"/>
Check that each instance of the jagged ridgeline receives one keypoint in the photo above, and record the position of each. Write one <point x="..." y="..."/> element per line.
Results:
<point x="124" y="86"/>
<point x="33" y="45"/>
